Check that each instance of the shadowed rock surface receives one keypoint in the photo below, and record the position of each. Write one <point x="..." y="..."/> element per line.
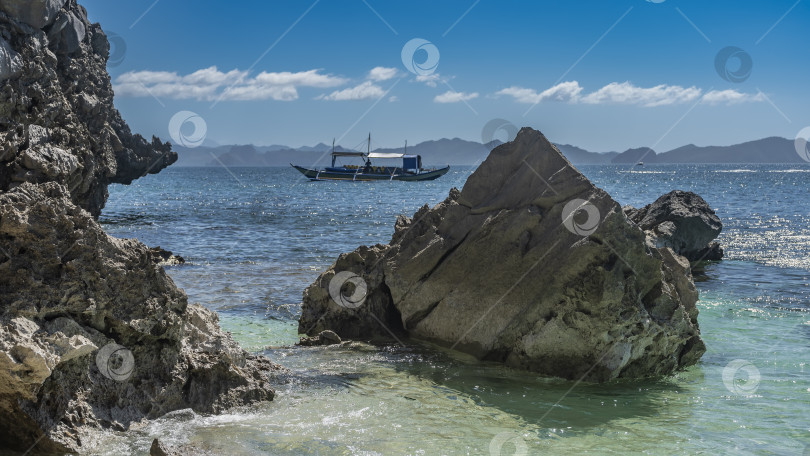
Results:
<point x="57" y="118"/>
<point x="682" y="221"/>
<point x="93" y="333"/>
<point x="530" y="265"/>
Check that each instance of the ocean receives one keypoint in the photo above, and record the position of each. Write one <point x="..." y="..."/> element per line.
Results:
<point x="255" y="238"/>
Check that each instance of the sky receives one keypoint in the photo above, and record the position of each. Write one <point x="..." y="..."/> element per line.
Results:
<point x="602" y="75"/>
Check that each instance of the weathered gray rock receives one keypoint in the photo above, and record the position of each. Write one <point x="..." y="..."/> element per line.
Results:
<point x="67" y="33"/>
<point x="530" y="265"/>
<point x="68" y="292"/>
<point x="56" y="102"/>
<point x="36" y="13"/>
<point x="10" y="61"/>
<point x="682" y="221"/>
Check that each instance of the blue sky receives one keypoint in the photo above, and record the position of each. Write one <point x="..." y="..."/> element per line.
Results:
<point x="603" y="75"/>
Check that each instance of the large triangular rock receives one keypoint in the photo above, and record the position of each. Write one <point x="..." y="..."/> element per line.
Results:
<point x="531" y="265"/>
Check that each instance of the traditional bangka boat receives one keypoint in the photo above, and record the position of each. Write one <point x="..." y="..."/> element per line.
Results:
<point x="411" y="169"/>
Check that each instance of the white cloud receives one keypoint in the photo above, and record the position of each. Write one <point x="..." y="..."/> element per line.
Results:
<point x="363" y="91"/>
<point x="211" y="84"/>
<point x="393" y="98"/>
<point x="382" y="73"/>
<point x="731" y="97"/>
<point x="454" y="97"/>
<point x="430" y="80"/>
<point x="627" y="93"/>
<point x="521" y="94"/>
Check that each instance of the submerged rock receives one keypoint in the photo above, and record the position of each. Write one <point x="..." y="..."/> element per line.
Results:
<point x="164" y="257"/>
<point x="324" y="338"/>
<point x="530" y="265"/>
<point x="57" y="118"/>
<point x="682" y="221"/>
<point x="93" y="333"/>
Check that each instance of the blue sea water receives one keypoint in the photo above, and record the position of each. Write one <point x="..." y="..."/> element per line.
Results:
<point x="254" y="238"/>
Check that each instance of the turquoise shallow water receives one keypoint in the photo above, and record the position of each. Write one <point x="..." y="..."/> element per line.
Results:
<point x="255" y="238"/>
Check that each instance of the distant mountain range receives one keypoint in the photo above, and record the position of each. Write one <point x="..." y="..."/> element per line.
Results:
<point x="461" y="152"/>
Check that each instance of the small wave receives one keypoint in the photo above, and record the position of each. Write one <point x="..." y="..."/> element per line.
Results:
<point x="789" y="171"/>
<point x="647" y="172"/>
<point x="735" y="171"/>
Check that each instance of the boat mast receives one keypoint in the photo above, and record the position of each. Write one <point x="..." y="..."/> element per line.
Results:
<point x="333" y="152"/>
<point x="368" y="148"/>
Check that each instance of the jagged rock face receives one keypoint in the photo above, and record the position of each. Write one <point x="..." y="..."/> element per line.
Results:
<point x="69" y="290"/>
<point x="530" y="265"/>
<point x="682" y="221"/>
<point x="57" y="118"/>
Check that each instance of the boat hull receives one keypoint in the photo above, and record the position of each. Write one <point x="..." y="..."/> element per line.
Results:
<point x="318" y="175"/>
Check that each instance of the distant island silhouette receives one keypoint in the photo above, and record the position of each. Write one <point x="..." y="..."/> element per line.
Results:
<point x="458" y="151"/>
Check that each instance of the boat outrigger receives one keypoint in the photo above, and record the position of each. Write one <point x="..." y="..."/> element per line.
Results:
<point x="411" y="169"/>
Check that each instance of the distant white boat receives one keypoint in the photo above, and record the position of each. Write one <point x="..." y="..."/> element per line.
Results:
<point x="641" y="163"/>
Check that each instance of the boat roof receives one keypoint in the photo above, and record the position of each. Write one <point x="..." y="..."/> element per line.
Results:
<point x="349" y="154"/>
<point x="389" y="155"/>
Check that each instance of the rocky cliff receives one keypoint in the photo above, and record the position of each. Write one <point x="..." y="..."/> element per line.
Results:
<point x="57" y="118"/>
<point x="530" y="265"/>
<point x="93" y="332"/>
